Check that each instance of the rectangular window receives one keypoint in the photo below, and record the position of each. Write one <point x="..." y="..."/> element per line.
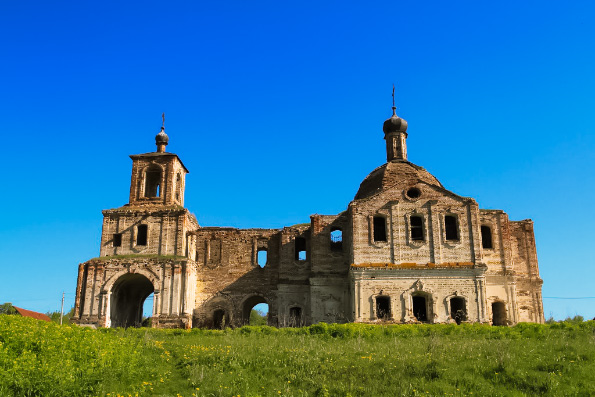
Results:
<point x="300" y="248"/>
<point x="117" y="239"/>
<point x="450" y="226"/>
<point x="379" y="228"/>
<point x="417" y="228"/>
<point x="486" y="237"/>
<point x="141" y="235"/>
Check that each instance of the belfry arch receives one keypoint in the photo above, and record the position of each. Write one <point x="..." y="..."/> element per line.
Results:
<point x="126" y="300"/>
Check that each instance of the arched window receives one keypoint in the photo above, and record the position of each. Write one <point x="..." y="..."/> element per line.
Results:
<point x="336" y="239"/>
<point x="451" y="228"/>
<point x="417" y="228"/>
<point x="486" y="237"/>
<point x="379" y="228"/>
<point x="153" y="181"/>
<point x="261" y="257"/>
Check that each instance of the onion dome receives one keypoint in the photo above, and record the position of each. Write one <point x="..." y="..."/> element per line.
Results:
<point x="161" y="138"/>
<point x="394" y="124"/>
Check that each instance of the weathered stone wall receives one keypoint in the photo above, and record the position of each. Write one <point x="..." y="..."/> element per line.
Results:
<point x="172" y="282"/>
<point x="167" y="229"/>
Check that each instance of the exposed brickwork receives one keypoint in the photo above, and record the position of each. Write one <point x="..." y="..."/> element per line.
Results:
<point x="406" y="249"/>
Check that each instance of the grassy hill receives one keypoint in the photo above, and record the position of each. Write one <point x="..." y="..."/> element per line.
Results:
<point x="45" y="359"/>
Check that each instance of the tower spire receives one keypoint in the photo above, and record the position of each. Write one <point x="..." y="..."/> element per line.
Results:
<point x="394" y="107"/>
<point x="161" y="140"/>
<point x="395" y="134"/>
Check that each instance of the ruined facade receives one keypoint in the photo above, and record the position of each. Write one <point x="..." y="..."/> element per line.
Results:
<point x="405" y="250"/>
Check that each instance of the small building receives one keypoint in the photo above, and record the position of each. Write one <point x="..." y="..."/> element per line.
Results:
<point x="32" y="314"/>
<point x="406" y="249"/>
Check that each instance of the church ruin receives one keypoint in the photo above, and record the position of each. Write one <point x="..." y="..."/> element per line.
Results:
<point x="405" y="250"/>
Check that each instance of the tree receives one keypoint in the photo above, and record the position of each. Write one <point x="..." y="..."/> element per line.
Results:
<point x="258" y="318"/>
<point x="55" y="316"/>
<point x="7" y="308"/>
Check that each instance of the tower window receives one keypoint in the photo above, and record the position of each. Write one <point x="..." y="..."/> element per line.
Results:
<point x="117" y="239"/>
<point x="141" y="235"/>
<point x="153" y="182"/>
<point x="336" y="239"/>
<point x="178" y="187"/>
<point x="450" y="225"/>
<point x="300" y="248"/>
<point x="486" y="237"/>
<point x="417" y="229"/>
<point x="379" y="228"/>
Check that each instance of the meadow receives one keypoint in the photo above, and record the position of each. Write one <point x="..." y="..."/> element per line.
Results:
<point x="46" y="359"/>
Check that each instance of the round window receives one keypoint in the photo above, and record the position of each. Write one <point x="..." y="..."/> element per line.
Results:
<point x="413" y="193"/>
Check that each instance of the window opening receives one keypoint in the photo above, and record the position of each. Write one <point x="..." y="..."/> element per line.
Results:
<point x="383" y="307"/>
<point x="117" y="240"/>
<point x="178" y="186"/>
<point x="379" y="228"/>
<point x="486" y="237"/>
<point x="153" y="182"/>
<point x="295" y="317"/>
<point x="457" y="309"/>
<point x="417" y="230"/>
<point x="262" y="257"/>
<point x="450" y="224"/>
<point x="300" y="248"/>
<point x="498" y="313"/>
<point x="413" y="193"/>
<point x="419" y="308"/>
<point x="336" y="239"/>
<point x="141" y="235"/>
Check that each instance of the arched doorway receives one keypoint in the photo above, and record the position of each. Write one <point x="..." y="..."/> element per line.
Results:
<point x="127" y="297"/>
<point x="250" y="304"/>
<point x="498" y="313"/>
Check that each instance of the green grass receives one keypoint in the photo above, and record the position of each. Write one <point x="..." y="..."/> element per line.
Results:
<point x="45" y="359"/>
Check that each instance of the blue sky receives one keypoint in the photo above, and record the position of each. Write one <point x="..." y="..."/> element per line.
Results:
<point x="277" y="109"/>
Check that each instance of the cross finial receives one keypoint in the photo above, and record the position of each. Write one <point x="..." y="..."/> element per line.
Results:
<point x="163" y="116"/>
<point x="394" y="107"/>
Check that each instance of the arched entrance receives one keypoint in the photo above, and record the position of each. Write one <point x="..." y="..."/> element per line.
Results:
<point x="127" y="297"/>
<point x="498" y="313"/>
<point x="249" y="305"/>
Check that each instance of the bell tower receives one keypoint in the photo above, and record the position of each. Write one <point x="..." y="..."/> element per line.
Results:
<point x="157" y="178"/>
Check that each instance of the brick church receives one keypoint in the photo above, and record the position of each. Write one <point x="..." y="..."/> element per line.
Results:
<point x="405" y="250"/>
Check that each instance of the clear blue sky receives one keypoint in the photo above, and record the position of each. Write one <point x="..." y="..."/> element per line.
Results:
<point x="276" y="109"/>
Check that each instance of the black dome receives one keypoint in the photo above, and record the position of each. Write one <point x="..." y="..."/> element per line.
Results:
<point x="394" y="124"/>
<point x="161" y="138"/>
